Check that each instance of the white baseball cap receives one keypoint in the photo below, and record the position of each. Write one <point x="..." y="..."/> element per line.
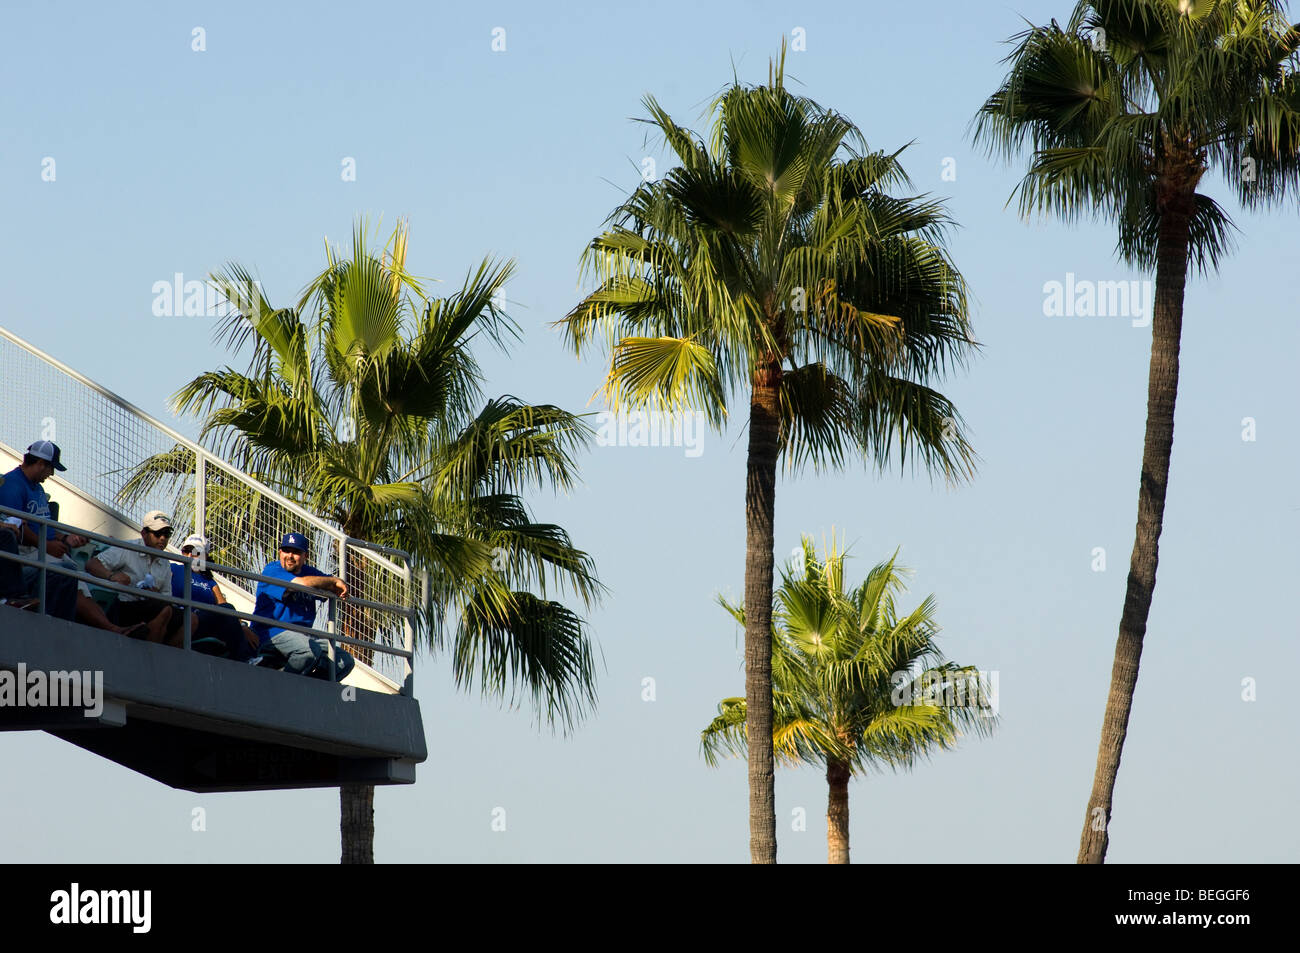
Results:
<point x="198" y="542"/>
<point x="156" y="520"/>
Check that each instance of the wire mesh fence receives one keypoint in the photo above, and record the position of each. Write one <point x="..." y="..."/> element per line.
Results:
<point x="125" y="461"/>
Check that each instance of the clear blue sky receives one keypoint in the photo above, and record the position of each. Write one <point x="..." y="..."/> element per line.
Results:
<point x="169" y="160"/>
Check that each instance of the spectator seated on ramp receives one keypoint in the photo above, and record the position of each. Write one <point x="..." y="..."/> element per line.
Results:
<point x="303" y="655"/>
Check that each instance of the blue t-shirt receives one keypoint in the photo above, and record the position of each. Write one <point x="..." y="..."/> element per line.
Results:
<point x="200" y="585"/>
<point x="22" y="494"/>
<point x="287" y="605"/>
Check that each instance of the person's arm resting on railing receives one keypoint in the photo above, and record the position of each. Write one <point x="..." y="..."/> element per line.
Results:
<point x="20" y="495"/>
<point x="329" y="583"/>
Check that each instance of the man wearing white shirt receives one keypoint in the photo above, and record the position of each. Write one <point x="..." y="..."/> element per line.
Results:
<point x="149" y="574"/>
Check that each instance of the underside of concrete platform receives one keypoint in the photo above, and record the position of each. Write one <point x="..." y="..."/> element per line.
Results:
<point x="208" y="724"/>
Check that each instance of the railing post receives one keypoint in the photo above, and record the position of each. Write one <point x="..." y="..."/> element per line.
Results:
<point x="40" y="550"/>
<point x="408" y="684"/>
<point x="200" y="493"/>
<point x="187" y="591"/>
<point x="343" y="559"/>
<point x="333" y="603"/>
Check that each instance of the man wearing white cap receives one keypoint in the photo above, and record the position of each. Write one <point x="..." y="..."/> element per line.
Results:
<point x="149" y="574"/>
<point x="241" y="643"/>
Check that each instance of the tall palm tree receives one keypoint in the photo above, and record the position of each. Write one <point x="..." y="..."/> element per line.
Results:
<point x="855" y="684"/>
<point x="363" y="402"/>
<point x="774" y="261"/>
<point x="1126" y="108"/>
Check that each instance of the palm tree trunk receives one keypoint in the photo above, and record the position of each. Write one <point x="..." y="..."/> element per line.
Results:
<point x="760" y="543"/>
<point x="356" y="801"/>
<point x="837" y="812"/>
<point x="1162" y="390"/>
<point x="357" y="823"/>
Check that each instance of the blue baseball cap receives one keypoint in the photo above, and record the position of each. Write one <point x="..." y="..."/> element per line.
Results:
<point x="294" y="541"/>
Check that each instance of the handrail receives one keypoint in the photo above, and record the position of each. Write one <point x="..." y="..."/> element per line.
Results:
<point x="102" y="391"/>
<point x="207" y="455"/>
<point x="100" y="583"/>
<point x="243" y="516"/>
<point x="181" y="557"/>
<point x="44" y="565"/>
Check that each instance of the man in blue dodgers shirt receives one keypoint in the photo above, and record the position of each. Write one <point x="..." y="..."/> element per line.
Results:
<point x="21" y="489"/>
<point x="303" y="654"/>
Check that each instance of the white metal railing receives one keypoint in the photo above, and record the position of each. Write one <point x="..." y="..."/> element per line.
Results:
<point x="106" y="439"/>
<point x="43" y="563"/>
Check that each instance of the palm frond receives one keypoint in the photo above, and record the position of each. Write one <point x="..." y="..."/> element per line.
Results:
<point x="514" y="644"/>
